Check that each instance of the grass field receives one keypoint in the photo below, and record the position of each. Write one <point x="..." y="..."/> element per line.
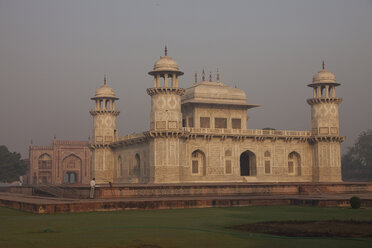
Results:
<point x="168" y="228"/>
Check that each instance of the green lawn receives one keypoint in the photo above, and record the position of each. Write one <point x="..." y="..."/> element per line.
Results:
<point x="168" y="228"/>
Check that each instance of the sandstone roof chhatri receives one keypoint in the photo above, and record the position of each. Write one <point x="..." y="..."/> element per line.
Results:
<point x="104" y="91"/>
<point x="165" y="64"/>
<point x="324" y="77"/>
<point x="215" y="93"/>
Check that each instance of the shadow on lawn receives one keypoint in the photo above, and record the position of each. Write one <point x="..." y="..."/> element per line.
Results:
<point x="331" y="228"/>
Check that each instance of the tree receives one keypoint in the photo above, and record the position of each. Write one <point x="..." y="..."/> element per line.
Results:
<point x="11" y="165"/>
<point x="357" y="162"/>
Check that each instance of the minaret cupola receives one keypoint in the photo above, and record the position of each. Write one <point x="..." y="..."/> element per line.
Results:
<point x="324" y="84"/>
<point x="104" y="114"/>
<point x="105" y="98"/>
<point x="166" y="68"/>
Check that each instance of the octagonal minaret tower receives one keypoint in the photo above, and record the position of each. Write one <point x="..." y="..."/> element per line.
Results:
<point x="104" y="132"/>
<point x="165" y="121"/>
<point x="165" y="98"/>
<point x="325" y="127"/>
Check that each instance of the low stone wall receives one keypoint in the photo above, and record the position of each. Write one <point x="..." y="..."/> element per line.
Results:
<point x="232" y="189"/>
<point x="4" y="188"/>
<point x="163" y="203"/>
<point x="77" y="192"/>
<point x="334" y="188"/>
<point x="196" y="190"/>
<point x="164" y="190"/>
<point x="25" y="190"/>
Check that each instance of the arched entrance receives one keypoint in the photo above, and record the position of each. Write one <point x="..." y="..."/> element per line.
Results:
<point x="70" y="177"/>
<point x="248" y="164"/>
<point x="72" y="171"/>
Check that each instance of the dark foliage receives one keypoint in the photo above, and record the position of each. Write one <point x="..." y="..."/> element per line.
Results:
<point x="357" y="162"/>
<point x="11" y="165"/>
<point x="355" y="202"/>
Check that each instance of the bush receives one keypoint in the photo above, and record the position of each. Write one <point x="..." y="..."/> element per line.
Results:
<point x="355" y="202"/>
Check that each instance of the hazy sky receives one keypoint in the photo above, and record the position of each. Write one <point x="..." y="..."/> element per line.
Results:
<point x="53" y="55"/>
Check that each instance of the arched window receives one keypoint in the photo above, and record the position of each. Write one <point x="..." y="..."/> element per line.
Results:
<point x="228" y="153"/>
<point x="228" y="166"/>
<point x="198" y="163"/>
<point x="45" y="169"/>
<point x="45" y="161"/>
<point x="248" y="164"/>
<point x="120" y="166"/>
<point x="137" y="165"/>
<point x="294" y="164"/>
<point x="267" y="168"/>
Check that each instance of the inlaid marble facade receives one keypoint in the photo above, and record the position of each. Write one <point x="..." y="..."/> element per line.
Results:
<point x="199" y="134"/>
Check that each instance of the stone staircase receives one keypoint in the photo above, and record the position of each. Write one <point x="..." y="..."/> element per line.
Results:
<point x="50" y="190"/>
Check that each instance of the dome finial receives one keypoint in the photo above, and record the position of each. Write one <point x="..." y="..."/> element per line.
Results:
<point x="196" y="77"/>
<point x="218" y="75"/>
<point x="203" y="76"/>
<point x="210" y="76"/>
<point x="104" y="79"/>
<point x="323" y="65"/>
<point x="165" y="51"/>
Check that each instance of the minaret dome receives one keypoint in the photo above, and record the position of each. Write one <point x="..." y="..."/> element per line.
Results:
<point x="166" y="68"/>
<point x="324" y="83"/>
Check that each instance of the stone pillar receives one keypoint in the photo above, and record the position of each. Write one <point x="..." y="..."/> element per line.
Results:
<point x="319" y="91"/>
<point x="165" y="80"/>
<point x="155" y="82"/>
<point x="314" y="92"/>
<point x="174" y="81"/>
<point x="327" y="91"/>
<point x="333" y="91"/>
<point x="158" y="80"/>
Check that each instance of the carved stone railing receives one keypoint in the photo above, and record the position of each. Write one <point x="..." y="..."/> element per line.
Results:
<point x="187" y="132"/>
<point x="41" y="147"/>
<point x="130" y="136"/>
<point x="70" y="142"/>
<point x="253" y="132"/>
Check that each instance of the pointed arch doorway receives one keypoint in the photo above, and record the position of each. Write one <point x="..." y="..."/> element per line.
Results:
<point x="248" y="164"/>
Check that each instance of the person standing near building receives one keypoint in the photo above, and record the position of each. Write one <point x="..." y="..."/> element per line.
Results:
<point x="92" y="187"/>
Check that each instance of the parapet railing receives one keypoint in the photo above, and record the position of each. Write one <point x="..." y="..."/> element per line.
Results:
<point x="70" y="142"/>
<point x="253" y="132"/>
<point x="262" y="132"/>
<point x="42" y="147"/>
<point x="130" y="136"/>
